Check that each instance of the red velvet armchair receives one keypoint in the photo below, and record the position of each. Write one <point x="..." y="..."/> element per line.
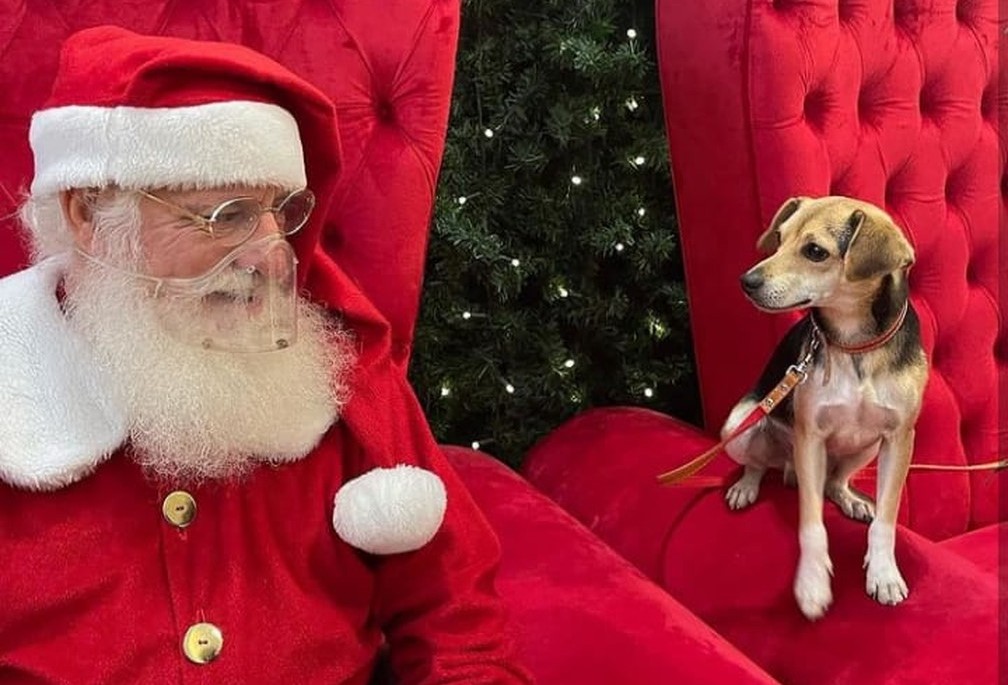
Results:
<point x="582" y="615"/>
<point x="901" y="104"/>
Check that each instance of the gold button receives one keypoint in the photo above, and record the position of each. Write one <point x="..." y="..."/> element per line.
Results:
<point x="179" y="508"/>
<point x="202" y="643"/>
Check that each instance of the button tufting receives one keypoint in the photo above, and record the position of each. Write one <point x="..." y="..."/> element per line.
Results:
<point x="815" y="108"/>
<point x="384" y="111"/>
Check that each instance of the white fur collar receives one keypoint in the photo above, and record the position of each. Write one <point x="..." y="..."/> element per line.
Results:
<point x="57" y="421"/>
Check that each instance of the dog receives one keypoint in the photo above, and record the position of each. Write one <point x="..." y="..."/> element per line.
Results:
<point x="847" y="262"/>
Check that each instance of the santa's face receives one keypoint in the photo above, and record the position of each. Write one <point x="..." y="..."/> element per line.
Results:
<point x="201" y="410"/>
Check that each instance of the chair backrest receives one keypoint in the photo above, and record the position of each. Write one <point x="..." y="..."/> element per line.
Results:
<point x="896" y="103"/>
<point x="388" y="66"/>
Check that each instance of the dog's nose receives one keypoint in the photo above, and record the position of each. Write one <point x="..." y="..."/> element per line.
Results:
<point x="752" y="281"/>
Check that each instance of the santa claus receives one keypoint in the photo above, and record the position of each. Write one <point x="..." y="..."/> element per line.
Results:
<point x="211" y="470"/>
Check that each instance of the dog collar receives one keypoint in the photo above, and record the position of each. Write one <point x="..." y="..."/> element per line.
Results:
<point x="873" y="344"/>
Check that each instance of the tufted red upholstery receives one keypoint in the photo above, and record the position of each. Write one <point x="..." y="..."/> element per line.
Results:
<point x="581" y="614"/>
<point x="898" y="103"/>
<point x="893" y="103"/>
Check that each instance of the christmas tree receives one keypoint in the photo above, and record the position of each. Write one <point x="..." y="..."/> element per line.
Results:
<point x="554" y="281"/>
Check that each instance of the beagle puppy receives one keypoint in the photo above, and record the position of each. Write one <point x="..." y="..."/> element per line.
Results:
<point x="845" y="261"/>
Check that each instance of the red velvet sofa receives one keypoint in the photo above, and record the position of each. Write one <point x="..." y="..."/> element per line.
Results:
<point x="582" y="615"/>
<point x="899" y="103"/>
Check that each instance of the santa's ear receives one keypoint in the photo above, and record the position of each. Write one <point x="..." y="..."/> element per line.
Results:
<point x="770" y="240"/>
<point x="877" y="247"/>
<point x="78" y="211"/>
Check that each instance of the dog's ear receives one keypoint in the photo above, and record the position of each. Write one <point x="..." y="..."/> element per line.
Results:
<point x="770" y="240"/>
<point x="877" y="247"/>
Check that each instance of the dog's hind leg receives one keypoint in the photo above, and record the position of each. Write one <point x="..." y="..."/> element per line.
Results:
<point x="853" y="503"/>
<point x="755" y="449"/>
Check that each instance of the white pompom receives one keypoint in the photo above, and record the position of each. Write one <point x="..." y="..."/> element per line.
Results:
<point x="388" y="511"/>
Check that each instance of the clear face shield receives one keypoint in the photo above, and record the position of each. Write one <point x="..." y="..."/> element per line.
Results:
<point x="246" y="303"/>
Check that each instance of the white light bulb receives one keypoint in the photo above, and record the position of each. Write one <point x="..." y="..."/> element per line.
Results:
<point x="619" y="247"/>
<point x="639" y="159"/>
<point x="641" y="211"/>
<point x="462" y="199"/>
<point x="576" y="180"/>
<point x="488" y="133"/>
<point x="596" y="113"/>
<point x="569" y="363"/>
<point x="631" y="34"/>
<point x="445" y="391"/>
<point x="631" y="103"/>
<point x="562" y="291"/>
<point x="515" y="263"/>
<point x="510" y="389"/>
<point x="466" y="315"/>
<point x="648" y="392"/>
<point x="475" y="444"/>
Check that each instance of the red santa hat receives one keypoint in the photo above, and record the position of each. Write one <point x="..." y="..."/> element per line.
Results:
<point x="143" y="112"/>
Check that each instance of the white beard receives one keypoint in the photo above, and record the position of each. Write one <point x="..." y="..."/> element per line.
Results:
<point x="193" y="413"/>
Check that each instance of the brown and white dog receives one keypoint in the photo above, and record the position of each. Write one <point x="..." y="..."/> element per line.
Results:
<point x="847" y="262"/>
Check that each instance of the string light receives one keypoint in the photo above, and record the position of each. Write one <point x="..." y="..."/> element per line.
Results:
<point x="488" y="133"/>
<point x="562" y="291"/>
<point x="594" y="114"/>
<point x="631" y="103"/>
<point x="569" y="363"/>
<point x="641" y="211"/>
<point x="466" y="315"/>
<point x="631" y="33"/>
<point x="648" y="392"/>
<point x="576" y="180"/>
<point x="619" y="247"/>
<point x="639" y="160"/>
<point x="445" y="390"/>
<point x="462" y="199"/>
<point x="510" y="389"/>
<point x="515" y="263"/>
<point x="475" y="444"/>
<point x="575" y="397"/>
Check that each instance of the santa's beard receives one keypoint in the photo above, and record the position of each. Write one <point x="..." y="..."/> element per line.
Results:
<point x="195" y="413"/>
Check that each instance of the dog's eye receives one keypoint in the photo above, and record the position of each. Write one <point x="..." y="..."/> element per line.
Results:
<point x="814" y="253"/>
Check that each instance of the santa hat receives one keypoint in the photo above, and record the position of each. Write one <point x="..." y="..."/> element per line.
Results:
<point x="150" y="111"/>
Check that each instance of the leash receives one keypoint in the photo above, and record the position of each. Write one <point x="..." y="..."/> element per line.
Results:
<point x="686" y="475"/>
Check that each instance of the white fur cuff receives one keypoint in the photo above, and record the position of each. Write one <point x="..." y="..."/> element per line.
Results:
<point x="390" y="510"/>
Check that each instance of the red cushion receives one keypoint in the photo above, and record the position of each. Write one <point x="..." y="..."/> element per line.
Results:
<point x="583" y="614"/>
<point x="983" y="547"/>
<point x="892" y="103"/>
<point x="388" y="68"/>
<point x="735" y="569"/>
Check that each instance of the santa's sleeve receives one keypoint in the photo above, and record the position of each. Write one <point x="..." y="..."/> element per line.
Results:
<point x="435" y="556"/>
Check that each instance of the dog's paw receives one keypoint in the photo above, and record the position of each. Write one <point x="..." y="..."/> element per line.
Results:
<point x="883" y="581"/>
<point x="743" y="493"/>
<point x="852" y="503"/>
<point x="812" y="586"/>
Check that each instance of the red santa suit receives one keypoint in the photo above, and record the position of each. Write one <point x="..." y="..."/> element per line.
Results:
<point x="293" y="573"/>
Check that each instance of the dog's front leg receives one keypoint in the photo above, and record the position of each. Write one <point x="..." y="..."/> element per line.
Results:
<point x="812" y="580"/>
<point x="883" y="580"/>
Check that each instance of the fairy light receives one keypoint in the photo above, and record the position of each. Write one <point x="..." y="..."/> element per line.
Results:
<point x="466" y="315"/>
<point x="639" y="160"/>
<point x="462" y="199"/>
<point x="562" y="291"/>
<point x="631" y="33"/>
<point x="620" y="247"/>
<point x="445" y="390"/>
<point x="488" y="133"/>
<point x="510" y="389"/>
<point x="516" y="263"/>
<point x="648" y="393"/>
<point x="631" y="103"/>
<point x="641" y="211"/>
<point x="475" y="444"/>
<point x="569" y="364"/>
<point x="577" y="180"/>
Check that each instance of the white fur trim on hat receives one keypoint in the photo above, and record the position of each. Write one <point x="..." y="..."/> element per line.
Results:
<point x="214" y="144"/>
<point x="390" y="510"/>
<point x="57" y="422"/>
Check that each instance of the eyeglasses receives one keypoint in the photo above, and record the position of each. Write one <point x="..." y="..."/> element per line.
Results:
<point x="233" y="222"/>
